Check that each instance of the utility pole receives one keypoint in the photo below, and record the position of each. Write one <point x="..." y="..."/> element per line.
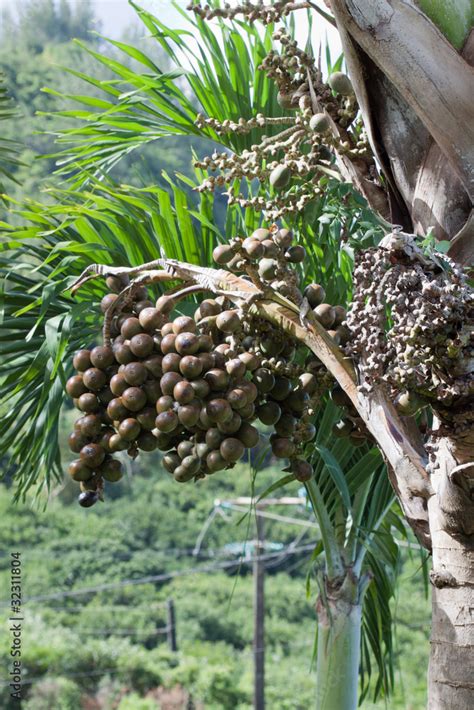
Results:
<point x="259" y="617"/>
<point x="171" y="628"/>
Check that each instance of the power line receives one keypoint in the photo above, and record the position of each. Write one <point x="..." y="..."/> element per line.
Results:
<point x="162" y="577"/>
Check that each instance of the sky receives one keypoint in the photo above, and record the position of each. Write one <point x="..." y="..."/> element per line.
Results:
<point x="115" y="15"/>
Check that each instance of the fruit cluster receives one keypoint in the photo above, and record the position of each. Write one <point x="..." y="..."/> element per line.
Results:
<point x="193" y="387"/>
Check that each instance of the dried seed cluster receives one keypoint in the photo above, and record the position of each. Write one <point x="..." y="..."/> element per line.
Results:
<point x="193" y="387"/>
<point x="412" y="327"/>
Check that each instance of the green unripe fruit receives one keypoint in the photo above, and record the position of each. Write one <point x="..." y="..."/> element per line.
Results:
<point x="340" y="83"/>
<point x="285" y="100"/>
<point x="319" y="123"/>
<point x="280" y="177"/>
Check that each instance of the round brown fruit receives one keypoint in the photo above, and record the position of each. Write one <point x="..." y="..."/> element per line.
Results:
<point x="295" y="254"/>
<point x="283" y="448"/>
<point x="129" y="429"/>
<point x="123" y="354"/>
<point x="207" y="361"/>
<point x="94" y="379"/>
<point x="302" y="470"/>
<point x="341" y="315"/>
<point x="269" y="413"/>
<point x="152" y="390"/>
<point x="116" y="443"/>
<point x="140" y="306"/>
<point x="87" y="499"/>
<point x="117" y="282"/>
<point x="214" y="438"/>
<point x="91" y="484"/>
<point x="228" y="321"/>
<point x="230" y="426"/>
<point x="191" y="464"/>
<point x="165" y="304"/>
<point x="209" y="308"/>
<point x="237" y="398"/>
<point x="339" y="397"/>
<point x="150" y="319"/>
<point x="108" y="300"/>
<point x="286" y="425"/>
<point x="297" y="401"/>
<point x="307" y="432"/>
<point x="142" y="345"/>
<point x="190" y="366"/>
<point x="102" y="356"/>
<point x="235" y="368"/>
<point x="254" y="248"/>
<point x="146" y="441"/>
<point x="231" y="449"/>
<point x="134" y="399"/>
<point x="283" y="238"/>
<point x="315" y="294"/>
<point x="205" y="343"/>
<point x="222" y="254"/>
<point x="219" y="410"/>
<point x="169" y="381"/>
<point x="111" y="470"/>
<point x="154" y="366"/>
<point x="187" y="343"/>
<point x="146" y="418"/>
<point x="76" y="441"/>
<point x="308" y="383"/>
<point x="118" y="384"/>
<point x="184" y="324"/>
<point x="325" y="314"/>
<point x="88" y="403"/>
<point x="79" y="471"/>
<point x="215" y="462"/>
<point x="168" y="343"/>
<point x="75" y="386"/>
<point x="164" y="442"/>
<point x="263" y="379"/>
<point x="188" y="414"/>
<point x="82" y="360"/>
<point x="248" y="412"/>
<point x="250" y="360"/>
<point x="171" y="461"/>
<point x="89" y="426"/>
<point x="130" y="327"/>
<point x="270" y="346"/>
<point x="166" y="421"/>
<point x="281" y="389"/>
<point x="217" y="379"/>
<point x="248" y="435"/>
<point x="261" y="233"/>
<point x="183" y="392"/>
<point x="164" y="403"/>
<point x="92" y="455"/>
<point x="117" y="410"/>
<point x="182" y="475"/>
<point x="185" y="448"/>
<point x="171" y="362"/>
<point x="267" y="269"/>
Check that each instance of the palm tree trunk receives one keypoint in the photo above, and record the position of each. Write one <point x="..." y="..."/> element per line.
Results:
<point x="451" y="670"/>
<point x="338" y="650"/>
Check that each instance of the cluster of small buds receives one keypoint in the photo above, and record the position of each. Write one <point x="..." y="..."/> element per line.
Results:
<point x="412" y="327"/>
<point x="264" y="12"/>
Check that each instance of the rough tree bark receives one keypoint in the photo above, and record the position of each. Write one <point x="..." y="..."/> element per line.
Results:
<point x="415" y="90"/>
